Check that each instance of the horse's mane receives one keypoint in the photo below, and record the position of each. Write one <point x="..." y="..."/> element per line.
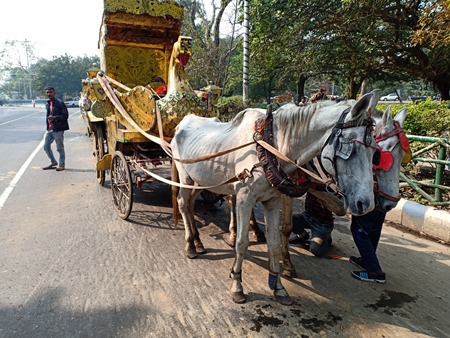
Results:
<point x="292" y="119"/>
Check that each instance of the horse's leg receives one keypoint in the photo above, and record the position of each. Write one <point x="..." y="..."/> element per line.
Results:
<point x="243" y="209"/>
<point x="288" y="267"/>
<point x="231" y="202"/>
<point x="259" y="234"/>
<point x="271" y="215"/>
<point x="199" y="248"/>
<point x="260" y="237"/>
<point x="188" y="220"/>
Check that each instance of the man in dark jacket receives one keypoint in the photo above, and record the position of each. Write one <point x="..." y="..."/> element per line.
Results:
<point x="57" y="116"/>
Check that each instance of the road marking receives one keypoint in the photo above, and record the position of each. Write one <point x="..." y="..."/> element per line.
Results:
<point x="22" y="169"/>
<point x="17" y="177"/>
<point x="20" y="118"/>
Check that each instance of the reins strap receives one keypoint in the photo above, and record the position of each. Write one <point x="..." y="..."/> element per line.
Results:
<point x="210" y="156"/>
<point x="181" y="185"/>
<point x="285" y="158"/>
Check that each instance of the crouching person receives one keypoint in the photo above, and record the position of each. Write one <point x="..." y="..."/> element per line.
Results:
<point x="319" y="220"/>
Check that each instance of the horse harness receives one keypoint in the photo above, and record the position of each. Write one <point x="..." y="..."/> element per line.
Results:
<point x="275" y="174"/>
<point x="383" y="160"/>
<point x="344" y="147"/>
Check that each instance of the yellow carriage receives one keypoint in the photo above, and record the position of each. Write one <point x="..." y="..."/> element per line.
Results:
<point x="138" y="94"/>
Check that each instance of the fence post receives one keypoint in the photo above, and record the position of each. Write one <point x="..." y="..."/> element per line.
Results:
<point x="440" y="173"/>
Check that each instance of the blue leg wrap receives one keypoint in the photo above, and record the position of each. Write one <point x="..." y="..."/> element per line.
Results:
<point x="273" y="278"/>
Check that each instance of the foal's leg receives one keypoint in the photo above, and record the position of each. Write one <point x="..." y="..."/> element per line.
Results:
<point x="188" y="220"/>
<point x="288" y="267"/>
<point x="271" y="210"/>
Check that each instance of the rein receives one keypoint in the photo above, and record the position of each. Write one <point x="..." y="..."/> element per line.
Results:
<point x="345" y="149"/>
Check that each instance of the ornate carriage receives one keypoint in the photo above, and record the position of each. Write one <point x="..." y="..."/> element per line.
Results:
<point x="138" y="94"/>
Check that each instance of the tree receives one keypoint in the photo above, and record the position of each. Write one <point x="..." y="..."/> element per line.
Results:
<point x="211" y="51"/>
<point x="355" y="40"/>
<point x="434" y="24"/>
<point x="64" y="73"/>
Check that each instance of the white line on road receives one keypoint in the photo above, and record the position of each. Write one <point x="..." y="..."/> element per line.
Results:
<point x="19" y="174"/>
<point x="17" y="177"/>
<point x="20" y="118"/>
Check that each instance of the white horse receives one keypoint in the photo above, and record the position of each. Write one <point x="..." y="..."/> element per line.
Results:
<point x="341" y="131"/>
<point x="392" y="145"/>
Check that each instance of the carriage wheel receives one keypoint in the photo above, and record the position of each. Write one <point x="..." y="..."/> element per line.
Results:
<point x="121" y="185"/>
<point x="99" y="153"/>
<point x="211" y="197"/>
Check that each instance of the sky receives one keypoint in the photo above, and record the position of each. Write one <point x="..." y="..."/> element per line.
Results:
<point x="53" y="27"/>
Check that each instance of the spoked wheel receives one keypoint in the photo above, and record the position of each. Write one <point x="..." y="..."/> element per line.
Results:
<point x="211" y="197"/>
<point x="99" y="150"/>
<point x="121" y="185"/>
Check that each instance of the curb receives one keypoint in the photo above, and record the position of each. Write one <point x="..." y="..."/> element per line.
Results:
<point x="422" y="219"/>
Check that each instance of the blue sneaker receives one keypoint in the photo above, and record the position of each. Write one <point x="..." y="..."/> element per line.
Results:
<point x="368" y="276"/>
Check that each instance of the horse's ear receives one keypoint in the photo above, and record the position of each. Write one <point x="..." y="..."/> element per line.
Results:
<point x="401" y="116"/>
<point x="375" y="98"/>
<point x="359" y="110"/>
<point x="387" y="117"/>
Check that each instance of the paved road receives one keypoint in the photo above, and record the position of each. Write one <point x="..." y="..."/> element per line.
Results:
<point x="69" y="267"/>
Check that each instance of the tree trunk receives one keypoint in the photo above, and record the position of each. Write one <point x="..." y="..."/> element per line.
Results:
<point x="246" y="52"/>
<point x="443" y="85"/>
<point x="363" y="88"/>
<point x="301" y="86"/>
<point x="351" y="92"/>
<point x="353" y="86"/>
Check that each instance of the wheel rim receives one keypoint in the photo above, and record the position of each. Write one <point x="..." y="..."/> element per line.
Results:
<point x="99" y="153"/>
<point x="121" y="185"/>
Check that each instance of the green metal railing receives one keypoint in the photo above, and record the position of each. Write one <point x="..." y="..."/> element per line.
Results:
<point x="441" y="145"/>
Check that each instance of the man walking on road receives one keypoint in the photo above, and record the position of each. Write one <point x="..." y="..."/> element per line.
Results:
<point x="57" y="116"/>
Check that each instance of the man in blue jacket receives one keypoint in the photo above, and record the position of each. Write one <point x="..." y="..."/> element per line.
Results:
<point x="57" y="116"/>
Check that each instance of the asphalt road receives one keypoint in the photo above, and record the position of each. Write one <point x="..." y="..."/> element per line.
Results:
<point x="70" y="267"/>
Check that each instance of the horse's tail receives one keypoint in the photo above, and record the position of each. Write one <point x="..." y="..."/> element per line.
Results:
<point x="175" y="190"/>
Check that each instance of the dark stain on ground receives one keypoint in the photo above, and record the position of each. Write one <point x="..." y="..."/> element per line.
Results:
<point x="314" y="324"/>
<point x="391" y="300"/>
<point x="262" y="319"/>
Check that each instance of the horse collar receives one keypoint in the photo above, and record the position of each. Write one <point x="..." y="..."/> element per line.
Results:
<point x="275" y="174"/>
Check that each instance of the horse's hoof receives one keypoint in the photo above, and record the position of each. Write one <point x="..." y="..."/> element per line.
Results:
<point x="290" y="273"/>
<point x="285" y="300"/>
<point x="238" y="297"/>
<point x="191" y="255"/>
<point x="200" y="250"/>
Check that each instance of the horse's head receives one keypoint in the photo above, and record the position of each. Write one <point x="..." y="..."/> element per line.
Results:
<point x="393" y="146"/>
<point x="348" y="154"/>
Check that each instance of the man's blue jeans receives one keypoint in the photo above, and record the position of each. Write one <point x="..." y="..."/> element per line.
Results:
<point x="58" y="137"/>
<point x="320" y="232"/>
<point x="366" y="232"/>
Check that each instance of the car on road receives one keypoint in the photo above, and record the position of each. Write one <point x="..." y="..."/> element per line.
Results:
<point x="389" y="97"/>
<point x="72" y="102"/>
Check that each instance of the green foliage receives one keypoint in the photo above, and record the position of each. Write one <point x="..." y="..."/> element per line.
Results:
<point x="63" y="72"/>
<point x="229" y="106"/>
<point x="425" y="118"/>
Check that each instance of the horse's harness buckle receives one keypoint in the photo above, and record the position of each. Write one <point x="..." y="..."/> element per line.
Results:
<point x="244" y="175"/>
